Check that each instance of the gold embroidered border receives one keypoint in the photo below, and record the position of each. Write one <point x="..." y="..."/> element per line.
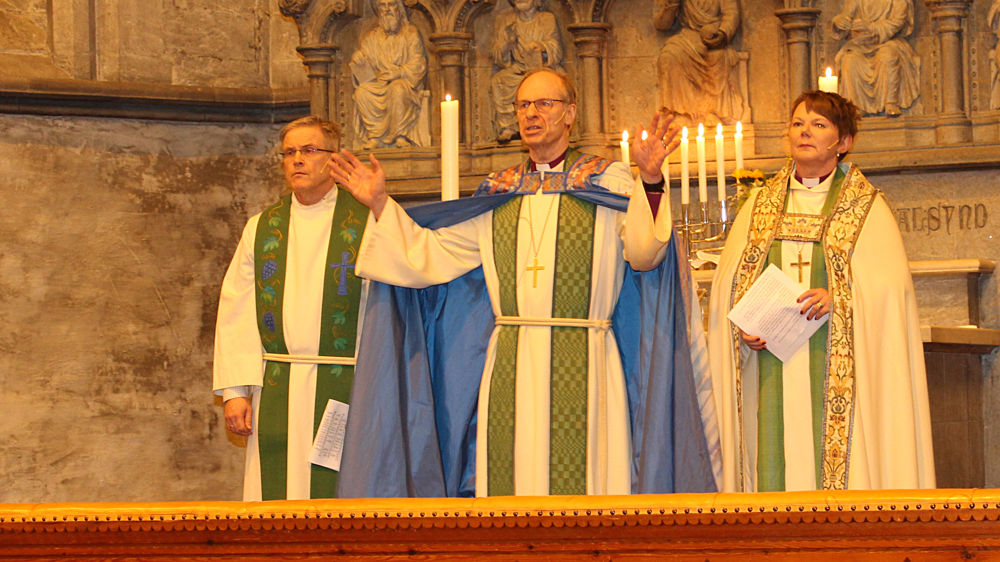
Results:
<point x="801" y="228"/>
<point x="846" y="220"/>
<point x="764" y="218"/>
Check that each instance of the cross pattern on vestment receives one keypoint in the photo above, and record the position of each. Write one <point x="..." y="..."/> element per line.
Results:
<point x="800" y="264"/>
<point x="343" y="266"/>
<point x="534" y="269"/>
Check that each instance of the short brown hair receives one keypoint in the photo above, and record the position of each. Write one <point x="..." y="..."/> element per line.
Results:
<point x="330" y="130"/>
<point x="839" y="110"/>
<point x="568" y="90"/>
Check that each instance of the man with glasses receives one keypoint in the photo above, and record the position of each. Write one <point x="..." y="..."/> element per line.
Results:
<point x="288" y="321"/>
<point x="547" y="364"/>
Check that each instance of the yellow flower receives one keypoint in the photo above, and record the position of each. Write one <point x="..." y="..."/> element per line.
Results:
<point x="743" y="173"/>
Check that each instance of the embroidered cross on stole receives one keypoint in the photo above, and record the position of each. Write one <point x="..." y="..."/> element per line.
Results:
<point x="338" y="334"/>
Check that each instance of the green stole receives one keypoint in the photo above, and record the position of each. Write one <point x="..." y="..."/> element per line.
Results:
<point x="338" y="335"/>
<point x="568" y="392"/>
<point x="770" y="419"/>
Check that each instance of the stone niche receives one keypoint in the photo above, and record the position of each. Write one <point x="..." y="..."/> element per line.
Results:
<point x="622" y="58"/>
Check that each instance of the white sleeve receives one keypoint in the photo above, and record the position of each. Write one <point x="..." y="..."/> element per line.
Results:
<point x="238" y="357"/>
<point x="646" y="239"/>
<point x="398" y="251"/>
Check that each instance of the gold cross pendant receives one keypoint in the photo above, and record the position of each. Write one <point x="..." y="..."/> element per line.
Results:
<point x="800" y="264"/>
<point x="534" y="269"/>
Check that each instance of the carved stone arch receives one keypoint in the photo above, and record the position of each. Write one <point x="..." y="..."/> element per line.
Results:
<point x="596" y="11"/>
<point x="330" y="18"/>
<point x="465" y="12"/>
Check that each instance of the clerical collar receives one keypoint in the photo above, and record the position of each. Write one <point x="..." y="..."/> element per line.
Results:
<point x="811" y="182"/>
<point x="538" y="167"/>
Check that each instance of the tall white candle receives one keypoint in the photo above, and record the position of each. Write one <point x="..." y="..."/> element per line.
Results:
<point x="702" y="166"/>
<point x="738" y="142"/>
<point x="626" y="156"/>
<point x="828" y="83"/>
<point x="685" y="171"/>
<point x="449" y="149"/>
<point x="720" y="162"/>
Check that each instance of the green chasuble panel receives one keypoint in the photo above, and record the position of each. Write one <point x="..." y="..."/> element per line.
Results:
<point x="338" y="335"/>
<point x="569" y="355"/>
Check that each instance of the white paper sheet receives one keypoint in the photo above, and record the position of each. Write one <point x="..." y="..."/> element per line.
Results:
<point x="768" y="309"/>
<point x="329" y="443"/>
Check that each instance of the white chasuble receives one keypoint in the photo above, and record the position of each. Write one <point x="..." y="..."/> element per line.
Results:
<point x="890" y="438"/>
<point x="238" y="350"/>
<point x="399" y="252"/>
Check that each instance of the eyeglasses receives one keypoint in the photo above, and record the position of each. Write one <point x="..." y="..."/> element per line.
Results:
<point x="307" y="150"/>
<point x="543" y="105"/>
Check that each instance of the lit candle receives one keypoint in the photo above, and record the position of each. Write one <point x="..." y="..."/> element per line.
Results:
<point x="702" y="166"/>
<point x="738" y="141"/>
<point x="685" y="172"/>
<point x="720" y="162"/>
<point x="449" y="149"/>
<point x="624" y="146"/>
<point x="828" y="83"/>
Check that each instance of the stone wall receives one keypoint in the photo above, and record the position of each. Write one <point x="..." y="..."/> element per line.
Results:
<point x="119" y="229"/>
<point x="117" y="235"/>
<point x="118" y="232"/>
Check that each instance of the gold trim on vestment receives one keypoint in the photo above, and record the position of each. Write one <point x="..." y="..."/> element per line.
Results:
<point x="799" y="227"/>
<point x="839" y="238"/>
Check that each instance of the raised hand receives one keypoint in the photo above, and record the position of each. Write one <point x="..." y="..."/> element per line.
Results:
<point x="650" y="152"/>
<point x="366" y="184"/>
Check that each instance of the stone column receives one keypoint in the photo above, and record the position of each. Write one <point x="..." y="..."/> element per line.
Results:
<point x="590" y="39"/>
<point x="953" y="124"/>
<point x="798" y="24"/>
<point x="451" y="48"/>
<point x="318" y="60"/>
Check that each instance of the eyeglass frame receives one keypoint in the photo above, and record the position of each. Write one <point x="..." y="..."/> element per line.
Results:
<point x="307" y="150"/>
<point x="521" y="106"/>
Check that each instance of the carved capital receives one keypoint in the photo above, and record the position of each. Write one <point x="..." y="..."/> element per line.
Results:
<point x="798" y="23"/>
<point x="590" y="38"/>
<point x="948" y="9"/>
<point x="451" y="47"/>
<point x="293" y="8"/>
<point x="317" y="58"/>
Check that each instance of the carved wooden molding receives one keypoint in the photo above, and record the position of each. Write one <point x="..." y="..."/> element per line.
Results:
<point x="849" y="524"/>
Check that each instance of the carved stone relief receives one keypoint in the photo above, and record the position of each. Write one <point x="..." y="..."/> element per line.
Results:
<point x="994" y="19"/>
<point x="878" y="68"/>
<point x="699" y="71"/>
<point x="389" y="70"/>
<point x="525" y="38"/>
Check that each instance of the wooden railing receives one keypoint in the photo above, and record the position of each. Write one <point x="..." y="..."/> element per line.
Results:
<point x="855" y="525"/>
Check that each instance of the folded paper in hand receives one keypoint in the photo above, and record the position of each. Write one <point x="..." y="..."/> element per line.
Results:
<point x="768" y="310"/>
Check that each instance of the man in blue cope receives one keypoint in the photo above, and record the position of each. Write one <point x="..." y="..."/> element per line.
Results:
<point x="536" y="359"/>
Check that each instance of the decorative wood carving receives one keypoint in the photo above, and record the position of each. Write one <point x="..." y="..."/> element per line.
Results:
<point x="925" y="524"/>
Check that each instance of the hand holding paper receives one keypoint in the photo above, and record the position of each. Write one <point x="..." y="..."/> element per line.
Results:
<point x="770" y="310"/>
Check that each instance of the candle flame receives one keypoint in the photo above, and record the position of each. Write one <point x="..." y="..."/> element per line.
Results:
<point x="447" y="97"/>
<point x="718" y="130"/>
<point x="624" y="136"/>
<point x="645" y="134"/>
<point x="829" y="72"/>
<point x="739" y="127"/>
<point x="684" y="133"/>
<point x="701" y="130"/>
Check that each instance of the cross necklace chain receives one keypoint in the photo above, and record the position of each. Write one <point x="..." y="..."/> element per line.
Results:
<point x="535" y="267"/>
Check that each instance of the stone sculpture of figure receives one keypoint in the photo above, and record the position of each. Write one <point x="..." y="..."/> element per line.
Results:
<point x="879" y="71"/>
<point x="389" y="68"/>
<point x="698" y="71"/>
<point x="524" y="39"/>
<point x="994" y="19"/>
